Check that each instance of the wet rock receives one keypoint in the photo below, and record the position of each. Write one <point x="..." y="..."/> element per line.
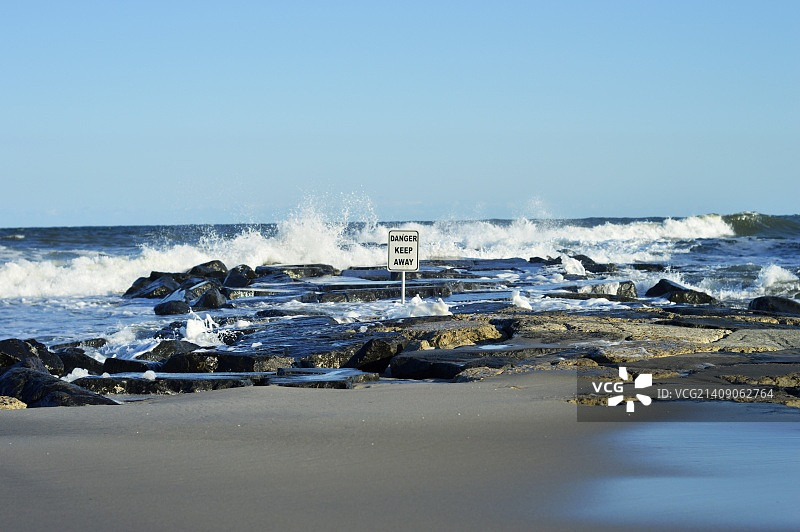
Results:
<point x="343" y="378"/>
<point x="215" y="269"/>
<point x="627" y="290"/>
<point x="594" y="267"/>
<point x="545" y="262"/>
<point x="622" y="289"/>
<point x="663" y="287"/>
<point x="159" y="288"/>
<point x="139" y="385"/>
<point x="691" y="297"/>
<point x="297" y="271"/>
<point x="252" y="362"/>
<point x="14" y="350"/>
<point x="169" y="308"/>
<point x="646" y="267"/>
<point x="239" y="276"/>
<point x="442" y="364"/>
<point x="75" y="357"/>
<point x="95" y="343"/>
<point x="167" y="348"/>
<point x="30" y="382"/>
<point x="451" y="334"/>
<point x="679" y="294"/>
<point x="196" y="290"/>
<point x="193" y="362"/>
<point x="330" y="358"/>
<point x="375" y="355"/>
<point x="775" y="304"/>
<point x="211" y="299"/>
<point x="125" y="365"/>
<point x="140" y="285"/>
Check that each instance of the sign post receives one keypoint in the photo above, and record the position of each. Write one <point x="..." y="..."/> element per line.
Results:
<point x="403" y="255"/>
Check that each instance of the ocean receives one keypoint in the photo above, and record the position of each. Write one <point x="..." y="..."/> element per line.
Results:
<point x="64" y="284"/>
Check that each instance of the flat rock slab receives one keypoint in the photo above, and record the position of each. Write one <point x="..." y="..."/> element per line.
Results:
<point x="162" y="384"/>
<point x="753" y="340"/>
<point x="448" y="363"/>
<point x="172" y="383"/>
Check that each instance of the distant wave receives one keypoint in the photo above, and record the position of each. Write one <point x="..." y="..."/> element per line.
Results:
<point x="765" y="225"/>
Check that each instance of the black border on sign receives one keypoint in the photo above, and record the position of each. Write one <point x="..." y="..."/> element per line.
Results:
<point x="389" y="243"/>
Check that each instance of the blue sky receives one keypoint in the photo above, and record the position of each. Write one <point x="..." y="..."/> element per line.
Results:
<point x="210" y="112"/>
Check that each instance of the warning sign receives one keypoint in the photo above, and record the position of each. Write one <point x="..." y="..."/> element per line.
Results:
<point x="403" y="251"/>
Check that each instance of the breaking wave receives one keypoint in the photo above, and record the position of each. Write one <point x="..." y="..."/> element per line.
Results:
<point x="310" y="236"/>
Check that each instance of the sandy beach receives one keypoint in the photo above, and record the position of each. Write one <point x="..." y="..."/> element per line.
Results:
<point x="502" y="453"/>
<point x="505" y="453"/>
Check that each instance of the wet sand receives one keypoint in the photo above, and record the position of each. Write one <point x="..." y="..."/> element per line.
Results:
<point x="502" y="453"/>
<point x="505" y="453"/>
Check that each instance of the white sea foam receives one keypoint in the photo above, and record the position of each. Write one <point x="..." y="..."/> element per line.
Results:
<point x="312" y="237"/>
<point x="417" y="307"/>
<point x="76" y="374"/>
<point x="774" y="279"/>
<point x="520" y="301"/>
<point x="201" y="331"/>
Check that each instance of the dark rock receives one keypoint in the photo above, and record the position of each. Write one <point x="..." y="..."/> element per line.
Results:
<point x="545" y="262"/>
<point x="30" y="382"/>
<point x="775" y="304"/>
<point x="160" y="386"/>
<point x="645" y="267"/>
<point x="13" y="350"/>
<point x="375" y="355"/>
<point x="354" y="295"/>
<point x="282" y="313"/>
<point x="239" y="276"/>
<point x="663" y="287"/>
<point x="594" y="267"/>
<point x="196" y="290"/>
<point x="246" y="363"/>
<point x="159" y="288"/>
<point x="442" y="364"/>
<point x="127" y="365"/>
<point x="215" y="269"/>
<point x="171" y="331"/>
<point x="298" y="271"/>
<point x="679" y="294"/>
<point x="96" y="343"/>
<point x="627" y="289"/>
<point x="514" y="264"/>
<point x="193" y="362"/>
<point x="343" y="378"/>
<point x="169" y="308"/>
<point x="142" y="283"/>
<point x="690" y="297"/>
<point x="75" y="357"/>
<point x="211" y="299"/>
<point x="166" y="349"/>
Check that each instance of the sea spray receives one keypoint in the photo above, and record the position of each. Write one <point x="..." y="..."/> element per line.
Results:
<point x="418" y="307"/>
<point x="201" y="331"/>
<point x="309" y="236"/>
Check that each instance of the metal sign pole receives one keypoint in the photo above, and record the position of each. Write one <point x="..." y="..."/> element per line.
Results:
<point x="403" y="288"/>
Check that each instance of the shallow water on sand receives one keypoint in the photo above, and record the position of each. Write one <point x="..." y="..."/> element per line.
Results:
<point x="708" y="475"/>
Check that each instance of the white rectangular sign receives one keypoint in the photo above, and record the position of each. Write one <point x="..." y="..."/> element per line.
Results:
<point x="403" y="251"/>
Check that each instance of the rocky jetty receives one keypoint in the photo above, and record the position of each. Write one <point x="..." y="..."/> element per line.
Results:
<point x="677" y="334"/>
